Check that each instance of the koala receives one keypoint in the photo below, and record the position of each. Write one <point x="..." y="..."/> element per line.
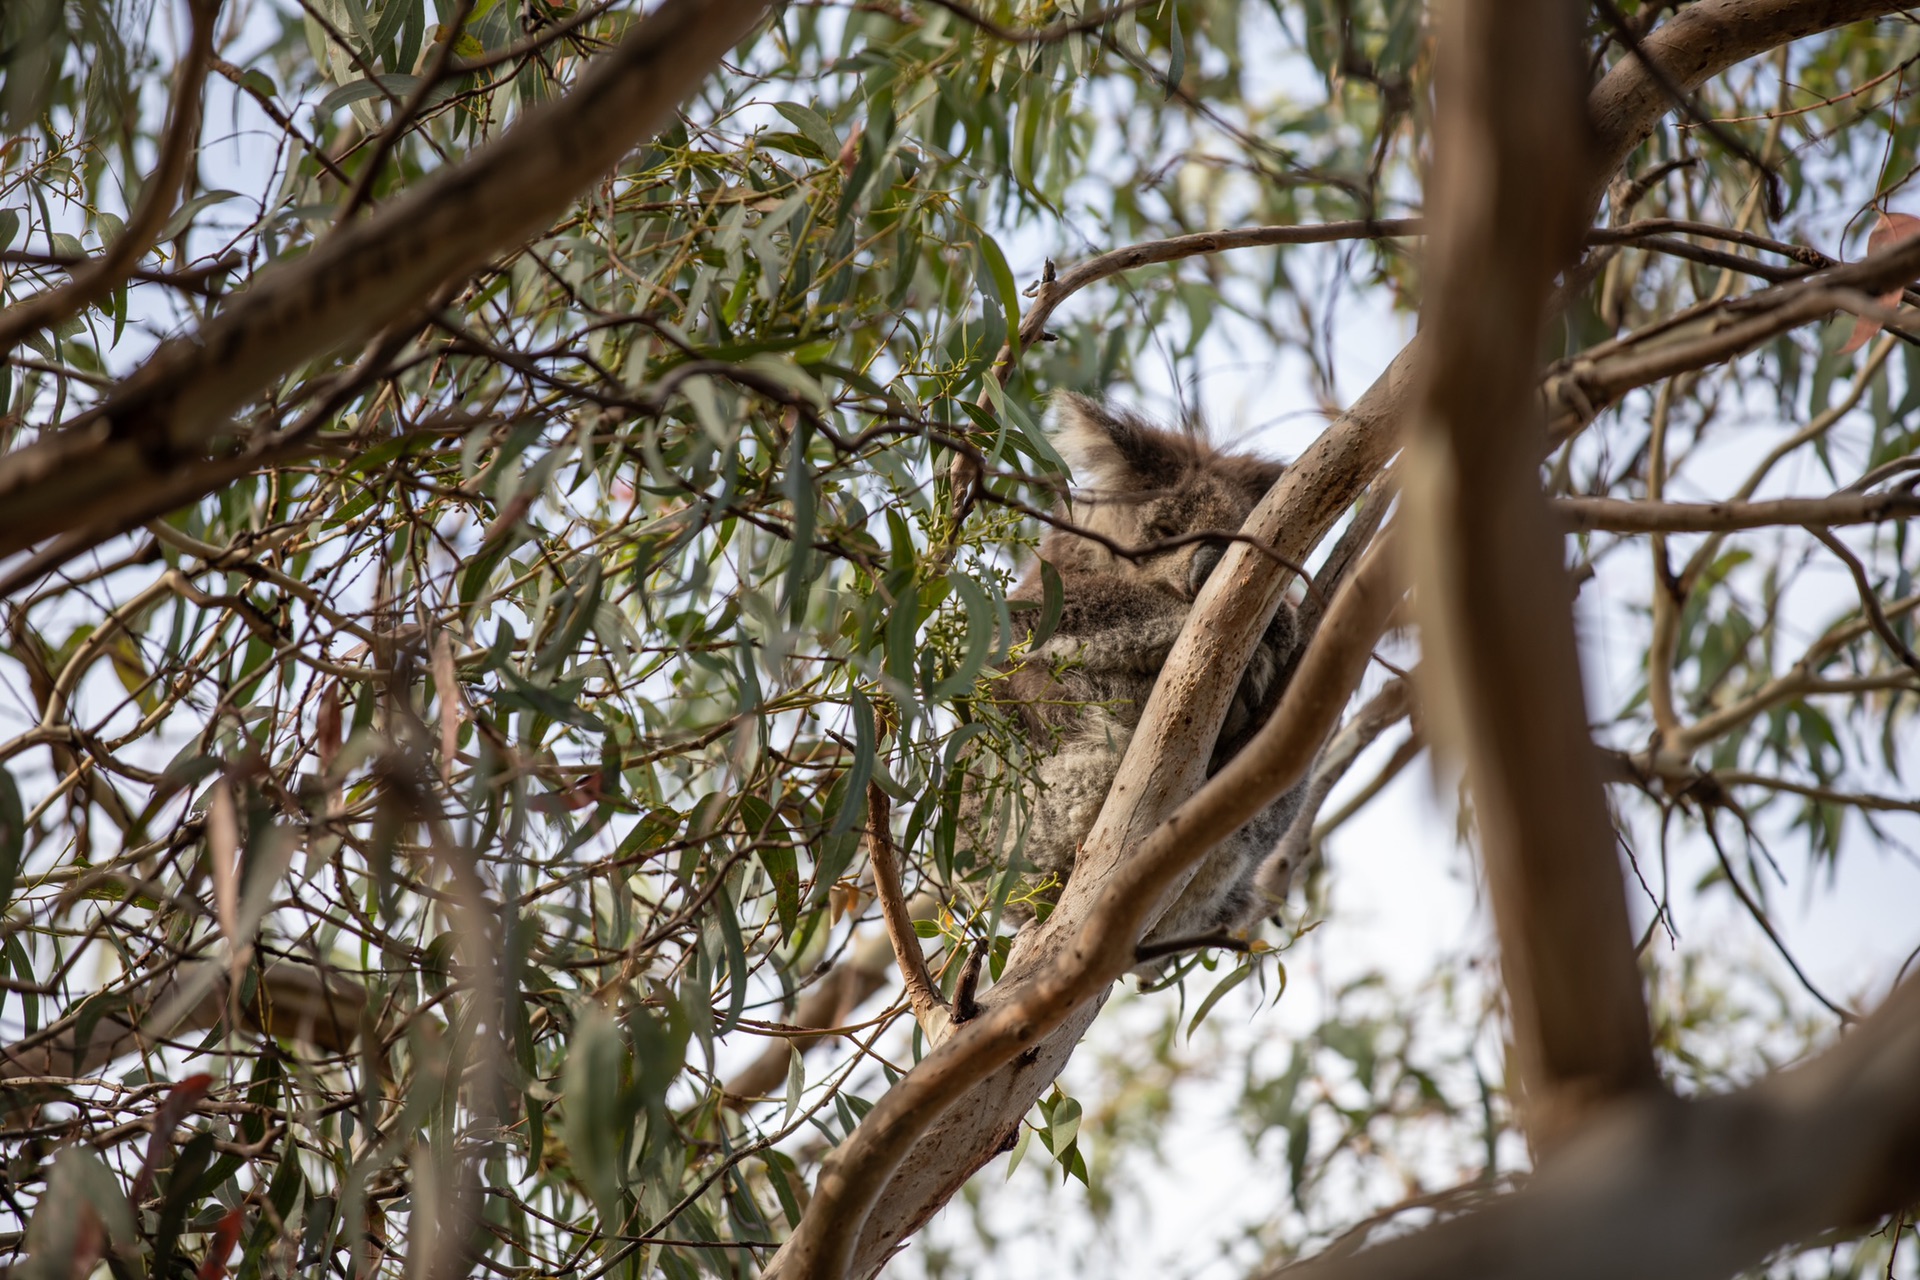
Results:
<point x="1077" y="697"/>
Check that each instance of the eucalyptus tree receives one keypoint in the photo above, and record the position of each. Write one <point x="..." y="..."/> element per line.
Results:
<point x="507" y="520"/>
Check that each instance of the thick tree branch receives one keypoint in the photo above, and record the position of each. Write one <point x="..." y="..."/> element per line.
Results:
<point x="1580" y="388"/>
<point x="366" y="276"/>
<point x="1670" y="1190"/>
<point x="1061" y="970"/>
<point x="1502" y="673"/>
<point x="100" y="277"/>
<point x="1697" y="43"/>
<point x="292" y="1001"/>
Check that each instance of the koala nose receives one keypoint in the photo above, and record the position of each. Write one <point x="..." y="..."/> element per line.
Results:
<point x="1200" y="568"/>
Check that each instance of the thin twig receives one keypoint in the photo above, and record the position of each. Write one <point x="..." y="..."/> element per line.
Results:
<point x="191" y="280"/>
<point x="929" y="1010"/>
<point x="1759" y="915"/>
<point x="1869" y="599"/>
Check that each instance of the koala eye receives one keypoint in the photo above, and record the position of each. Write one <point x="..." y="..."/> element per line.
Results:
<point x="1163" y="528"/>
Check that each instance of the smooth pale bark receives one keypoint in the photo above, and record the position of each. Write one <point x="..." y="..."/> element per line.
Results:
<point x="1500" y="675"/>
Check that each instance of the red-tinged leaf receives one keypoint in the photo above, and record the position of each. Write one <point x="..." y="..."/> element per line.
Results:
<point x="850" y="151"/>
<point x="326" y="727"/>
<point x="180" y="1102"/>
<point x="590" y="789"/>
<point x="89" y="1243"/>
<point x="1890" y="229"/>
<point x="223" y="856"/>
<point x="447" y="689"/>
<point x="214" y="1266"/>
<point x="517" y="506"/>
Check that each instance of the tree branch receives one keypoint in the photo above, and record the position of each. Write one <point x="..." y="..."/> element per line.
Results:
<point x="293" y="1001"/>
<point x="1869" y="598"/>
<point x="1061" y="971"/>
<point x="197" y="280"/>
<point x="929" y="1010"/>
<point x="366" y="276"/>
<point x="1501" y="670"/>
<point x="1581" y="387"/>
<point x="1620" y="515"/>
<point x="1669" y="1190"/>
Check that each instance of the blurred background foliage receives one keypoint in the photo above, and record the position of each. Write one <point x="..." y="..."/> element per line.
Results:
<point x="420" y="856"/>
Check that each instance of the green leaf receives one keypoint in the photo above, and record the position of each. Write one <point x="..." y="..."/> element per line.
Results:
<point x="796" y="1080"/>
<point x="1177" y="57"/>
<point x="1019" y="1150"/>
<point x="528" y="696"/>
<point x="782" y="866"/>
<point x="259" y="82"/>
<point x="1053" y="601"/>
<point x="799" y="486"/>
<point x="660" y="1050"/>
<point x="185" y="213"/>
<point x="812" y="124"/>
<point x="81" y="1196"/>
<point x="1008" y="292"/>
<point x="584" y="600"/>
<point x="737" y="972"/>
<point x="599" y="1105"/>
<point x="1063" y="1126"/>
<point x="393" y="16"/>
<point x="13" y="836"/>
<point x="1239" y="975"/>
<point x="853" y="787"/>
<point x="388" y="84"/>
<point x="978" y="644"/>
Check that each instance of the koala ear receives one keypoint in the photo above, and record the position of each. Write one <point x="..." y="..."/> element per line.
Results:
<point x="1260" y="476"/>
<point x="1116" y="451"/>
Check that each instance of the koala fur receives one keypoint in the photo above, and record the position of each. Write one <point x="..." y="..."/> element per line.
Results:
<point x="1078" y="696"/>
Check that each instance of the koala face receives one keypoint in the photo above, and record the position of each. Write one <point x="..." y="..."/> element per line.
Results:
<point x="1139" y="484"/>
